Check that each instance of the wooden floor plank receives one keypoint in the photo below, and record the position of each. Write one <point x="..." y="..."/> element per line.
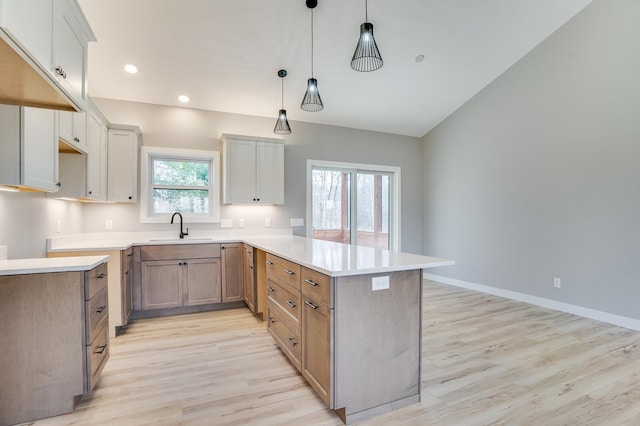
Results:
<point x="486" y="360"/>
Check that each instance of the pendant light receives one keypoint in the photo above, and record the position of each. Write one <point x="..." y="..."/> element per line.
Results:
<point x="282" y="125"/>
<point x="367" y="56"/>
<point x="311" y="101"/>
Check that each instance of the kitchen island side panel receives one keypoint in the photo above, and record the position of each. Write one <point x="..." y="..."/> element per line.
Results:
<point x="377" y="341"/>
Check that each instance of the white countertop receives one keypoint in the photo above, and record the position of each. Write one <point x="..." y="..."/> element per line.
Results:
<point x="334" y="259"/>
<point x="52" y="264"/>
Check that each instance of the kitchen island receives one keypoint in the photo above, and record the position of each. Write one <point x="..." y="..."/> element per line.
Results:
<point x="347" y="317"/>
<point x="54" y="339"/>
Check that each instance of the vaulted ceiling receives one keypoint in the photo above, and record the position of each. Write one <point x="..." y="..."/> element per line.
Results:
<point x="225" y="54"/>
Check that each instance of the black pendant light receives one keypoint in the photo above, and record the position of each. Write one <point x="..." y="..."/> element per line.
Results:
<point x="367" y="56"/>
<point x="282" y="125"/>
<point x="311" y="101"/>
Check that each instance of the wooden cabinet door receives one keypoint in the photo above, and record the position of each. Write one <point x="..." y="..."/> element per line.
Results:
<point x="162" y="284"/>
<point x="202" y="281"/>
<point x="232" y="276"/>
<point x="249" y="278"/>
<point x="127" y="284"/>
<point x="316" y="351"/>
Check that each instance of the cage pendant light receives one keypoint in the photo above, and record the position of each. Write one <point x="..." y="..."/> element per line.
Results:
<point x="312" y="101"/>
<point x="367" y="56"/>
<point x="282" y="125"/>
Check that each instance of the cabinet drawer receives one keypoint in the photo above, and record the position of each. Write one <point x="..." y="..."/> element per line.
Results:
<point x="96" y="311"/>
<point x="95" y="280"/>
<point x="283" y="270"/>
<point x="287" y="337"/>
<point x="97" y="356"/>
<point x="287" y="299"/>
<point x="317" y="287"/>
<point x="179" y="251"/>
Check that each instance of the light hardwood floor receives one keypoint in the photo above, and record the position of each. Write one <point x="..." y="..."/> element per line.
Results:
<point x="486" y="360"/>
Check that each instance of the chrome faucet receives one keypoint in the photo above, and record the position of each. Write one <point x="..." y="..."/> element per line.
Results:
<point x="182" y="234"/>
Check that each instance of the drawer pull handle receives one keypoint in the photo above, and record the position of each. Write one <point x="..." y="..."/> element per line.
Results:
<point x="271" y="289"/>
<point x="100" y="350"/>
<point x="100" y="309"/>
<point x="291" y="341"/>
<point x="130" y="254"/>
<point x="269" y="262"/>
<point x="311" y="283"/>
<point x="271" y="320"/>
<point x="293" y="305"/>
<point x="311" y="305"/>
<point x="289" y="272"/>
<point x="101" y="276"/>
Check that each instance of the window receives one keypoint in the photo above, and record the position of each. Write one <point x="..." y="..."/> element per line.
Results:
<point x="176" y="180"/>
<point x="354" y="204"/>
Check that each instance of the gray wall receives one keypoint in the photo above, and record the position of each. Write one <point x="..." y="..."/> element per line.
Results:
<point x="28" y="218"/>
<point x="197" y="129"/>
<point x="538" y="176"/>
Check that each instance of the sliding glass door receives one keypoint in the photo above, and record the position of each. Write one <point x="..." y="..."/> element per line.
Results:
<point x="352" y="206"/>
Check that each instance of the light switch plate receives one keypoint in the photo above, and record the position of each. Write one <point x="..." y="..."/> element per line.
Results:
<point x="226" y="223"/>
<point x="240" y="223"/>
<point x="267" y="222"/>
<point x="380" y="283"/>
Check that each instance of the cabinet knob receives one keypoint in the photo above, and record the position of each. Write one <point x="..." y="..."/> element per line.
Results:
<point x="90" y="192"/>
<point x="130" y="197"/>
<point x="61" y="72"/>
<point x="58" y="184"/>
<point x="269" y="262"/>
<point x="77" y="139"/>
<point x="271" y="320"/>
<point x="101" y="276"/>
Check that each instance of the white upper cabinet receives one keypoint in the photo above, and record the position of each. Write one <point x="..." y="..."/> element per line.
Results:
<point x="122" y="164"/>
<point x="253" y="170"/>
<point x="73" y="129"/>
<point x="48" y="59"/>
<point x="31" y="24"/>
<point x="28" y="148"/>
<point x="96" y="155"/>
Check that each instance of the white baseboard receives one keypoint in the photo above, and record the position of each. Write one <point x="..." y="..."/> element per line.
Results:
<point x="614" y="319"/>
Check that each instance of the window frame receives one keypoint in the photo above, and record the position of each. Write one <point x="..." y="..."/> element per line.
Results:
<point x="394" y="201"/>
<point x="146" y="183"/>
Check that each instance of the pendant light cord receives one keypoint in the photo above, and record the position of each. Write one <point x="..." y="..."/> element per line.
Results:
<point x="311" y="43"/>
<point x="282" y="93"/>
<point x="366" y="10"/>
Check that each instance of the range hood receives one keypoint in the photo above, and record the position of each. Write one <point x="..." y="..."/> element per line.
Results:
<point x="25" y="83"/>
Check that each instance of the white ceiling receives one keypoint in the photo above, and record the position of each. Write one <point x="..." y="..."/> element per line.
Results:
<point x="225" y="54"/>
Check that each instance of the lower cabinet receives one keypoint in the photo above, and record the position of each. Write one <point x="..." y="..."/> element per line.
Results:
<point x="55" y="341"/>
<point x="300" y="318"/>
<point x="249" y="278"/>
<point x="174" y="283"/>
<point x="232" y="272"/>
<point x="126" y="283"/>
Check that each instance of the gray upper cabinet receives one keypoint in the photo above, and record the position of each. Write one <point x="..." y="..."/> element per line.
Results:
<point x="44" y="44"/>
<point x="28" y="148"/>
<point x="253" y="170"/>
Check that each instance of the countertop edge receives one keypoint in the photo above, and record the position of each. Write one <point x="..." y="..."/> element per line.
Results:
<point x="49" y="265"/>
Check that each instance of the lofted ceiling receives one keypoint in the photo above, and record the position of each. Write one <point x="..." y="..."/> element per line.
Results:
<point x="225" y="54"/>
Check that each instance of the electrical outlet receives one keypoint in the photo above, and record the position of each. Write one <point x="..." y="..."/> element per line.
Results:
<point x="297" y="221"/>
<point x="109" y="224"/>
<point x="557" y="283"/>
<point x="240" y="223"/>
<point x="380" y="283"/>
<point x="267" y="222"/>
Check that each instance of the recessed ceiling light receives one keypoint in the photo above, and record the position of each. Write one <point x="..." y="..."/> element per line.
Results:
<point x="131" y="69"/>
<point x="183" y="98"/>
<point x="419" y="58"/>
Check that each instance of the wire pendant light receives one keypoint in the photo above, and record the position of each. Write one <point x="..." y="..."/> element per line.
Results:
<point x="367" y="56"/>
<point x="311" y="101"/>
<point x="282" y="125"/>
